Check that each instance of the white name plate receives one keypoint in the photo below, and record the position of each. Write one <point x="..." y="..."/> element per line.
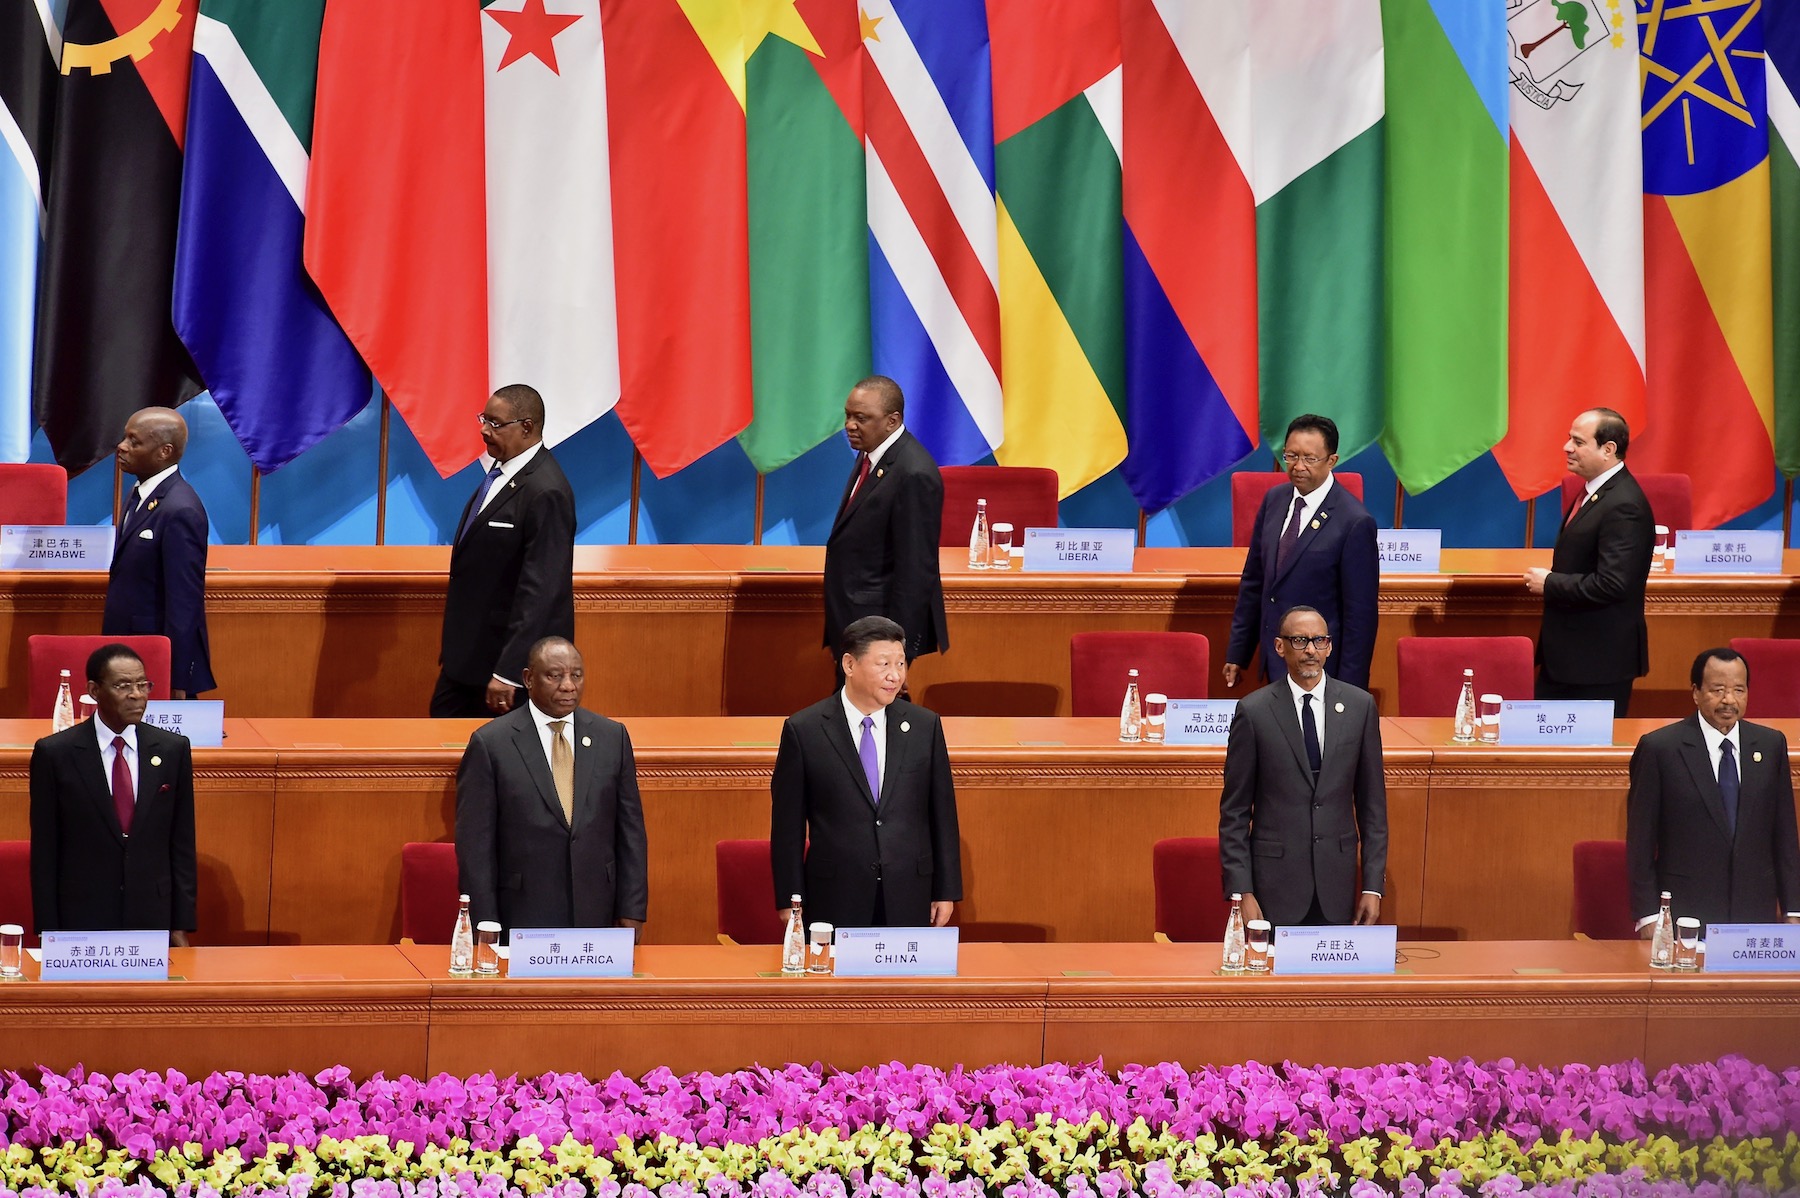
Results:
<point x="1728" y="551"/>
<point x="571" y="953"/>
<point x="896" y="952"/>
<point x="56" y="546"/>
<point x="202" y="721"/>
<point x="1335" y="949"/>
<point x="1556" y="722"/>
<point x="1199" y="721"/>
<point x="141" y="956"/>
<point x="1752" y="947"/>
<point x="1409" y="550"/>
<point x="1081" y="550"/>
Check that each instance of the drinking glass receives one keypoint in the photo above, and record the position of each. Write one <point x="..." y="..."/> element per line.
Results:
<point x="487" y="947"/>
<point x="1156" y="707"/>
<point x="12" y="951"/>
<point x="818" y="953"/>
<point x="1000" y="543"/>
<point x="1490" y="718"/>
<point x="1256" y="946"/>
<point x="1659" y="558"/>
<point x="1687" y="943"/>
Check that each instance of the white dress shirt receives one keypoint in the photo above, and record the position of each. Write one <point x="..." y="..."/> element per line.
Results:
<point x="1309" y="504"/>
<point x="508" y="470"/>
<point x="545" y="732"/>
<point x="147" y="487"/>
<point x="878" y="730"/>
<point x="105" y="736"/>
<point x="1599" y="480"/>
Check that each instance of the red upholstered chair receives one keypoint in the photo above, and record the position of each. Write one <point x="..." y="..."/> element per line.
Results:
<point x="1774" y="676"/>
<point x="1431" y="670"/>
<point x="1190" y="899"/>
<point x="746" y="883"/>
<point x="50" y="654"/>
<point x="1602" y="891"/>
<point x="1170" y="663"/>
<point x="428" y="892"/>
<point x="1249" y="487"/>
<point x="15" y="886"/>
<point x="1671" y="497"/>
<point x="1022" y="496"/>
<point x="33" y="493"/>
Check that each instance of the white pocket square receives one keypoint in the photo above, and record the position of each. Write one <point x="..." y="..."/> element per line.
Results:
<point x="146" y="535"/>
<point x="498" y="524"/>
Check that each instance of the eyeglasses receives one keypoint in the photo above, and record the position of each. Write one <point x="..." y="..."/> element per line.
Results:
<point x="497" y="425"/>
<point x="1309" y="459"/>
<point x="1720" y="692"/>
<point x="1301" y="642"/>
<point x="130" y="688"/>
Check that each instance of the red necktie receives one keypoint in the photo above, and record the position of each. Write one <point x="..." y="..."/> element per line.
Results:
<point x="124" y="800"/>
<point x="862" y="476"/>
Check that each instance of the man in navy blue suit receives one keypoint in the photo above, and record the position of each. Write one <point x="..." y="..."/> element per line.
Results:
<point x="158" y="580"/>
<point x="1313" y="545"/>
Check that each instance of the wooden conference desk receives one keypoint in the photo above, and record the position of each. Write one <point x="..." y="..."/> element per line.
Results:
<point x="709" y="630"/>
<point x="394" y="1009"/>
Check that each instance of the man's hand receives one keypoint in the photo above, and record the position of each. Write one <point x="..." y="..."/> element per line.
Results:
<point x="500" y="696"/>
<point x="178" y="940"/>
<point x="178" y="694"/>
<point x="1792" y="919"/>
<point x="940" y="914"/>
<point x="1231" y="672"/>
<point x="1368" y="910"/>
<point x="637" y="929"/>
<point x="1251" y="908"/>
<point x="1534" y="579"/>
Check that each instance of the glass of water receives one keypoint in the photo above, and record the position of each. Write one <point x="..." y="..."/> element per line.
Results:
<point x="818" y="948"/>
<point x="1687" y="943"/>
<point x="487" y="948"/>
<point x="1256" y="946"/>
<point x="1489" y="708"/>
<point x="1156" y="709"/>
<point x="1659" y="557"/>
<point x="1000" y="543"/>
<point x="12" y="951"/>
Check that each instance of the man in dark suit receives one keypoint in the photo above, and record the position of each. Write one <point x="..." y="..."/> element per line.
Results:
<point x="1710" y="817"/>
<point x="1593" y="641"/>
<point x="1313" y="544"/>
<point x="157" y="585"/>
<point x="112" y="814"/>
<point x="881" y="558"/>
<point x="512" y="568"/>
<point x="1304" y="791"/>
<point x="865" y="776"/>
<point x="549" y="827"/>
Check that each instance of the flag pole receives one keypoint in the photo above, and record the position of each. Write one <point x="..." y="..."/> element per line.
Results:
<point x="1530" y="520"/>
<point x="756" y="529"/>
<point x="1143" y="527"/>
<point x="255" y="501"/>
<point x="381" y="475"/>
<point x="1399" y="504"/>
<point x="637" y="487"/>
<point x="118" y="491"/>
<point x="1787" y="511"/>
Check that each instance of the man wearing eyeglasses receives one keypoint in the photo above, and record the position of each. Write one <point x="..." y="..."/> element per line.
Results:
<point x="1313" y="543"/>
<point x="1303" y="813"/>
<point x="112" y="814"/>
<point x="1710" y="816"/>
<point x="512" y="564"/>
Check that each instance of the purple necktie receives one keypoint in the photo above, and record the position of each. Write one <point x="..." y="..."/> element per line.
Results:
<point x="871" y="763"/>
<point x="487" y="484"/>
<point x="1290" y="536"/>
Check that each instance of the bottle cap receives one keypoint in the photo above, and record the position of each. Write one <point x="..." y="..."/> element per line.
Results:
<point x="65" y="673"/>
<point x="1237" y="898"/>
<point x="1468" y="673"/>
<point x="1132" y="674"/>
<point x="462" y="898"/>
<point x="793" y="898"/>
<point x="1665" y="895"/>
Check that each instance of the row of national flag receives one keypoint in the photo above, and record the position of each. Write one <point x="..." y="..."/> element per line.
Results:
<point x="1095" y="235"/>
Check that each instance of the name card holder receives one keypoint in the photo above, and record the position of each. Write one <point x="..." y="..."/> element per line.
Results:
<point x="896" y="952"/>
<point x="1556" y="722"/>
<point x="56" y="546"/>
<point x="1752" y="948"/>
<point x="1409" y="550"/>
<point x="1728" y="551"/>
<point x="202" y="721"/>
<point x="1199" y="721"/>
<point x="571" y="953"/>
<point x="135" y="956"/>
<point x="1081" y="550"/>
<point x="1335" y="950"/>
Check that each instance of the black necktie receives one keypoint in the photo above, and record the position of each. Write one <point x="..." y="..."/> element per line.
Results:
<point x="1728" y="784"/>
<point x="1290" y="536"/>
<point x="1309" y="731"/>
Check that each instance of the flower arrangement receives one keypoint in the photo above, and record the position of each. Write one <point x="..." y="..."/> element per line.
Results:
<point x="1426" y="1130"/>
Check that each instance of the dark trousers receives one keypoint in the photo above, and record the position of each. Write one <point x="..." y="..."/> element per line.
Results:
<point x="1618" y="692"/>
<point x="452" y="700"/>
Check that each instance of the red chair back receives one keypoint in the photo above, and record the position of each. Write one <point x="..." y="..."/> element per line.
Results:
<point x="33" y="493"/>
<point x="1774" y="676"/>
<point x="52" y="654"/>
<point x="15" y="887"/>
<point x="1671" y="497"/>
<point x="1431" y="670"/>
<point x="1190" y="888"/>
<point x="1022" y="496"/>
<point x="1169" y="663"/>
<point x="1249" y="487"/>
<point x="1603" y="891"/>
<point x="428" y="892"/>
<point x="746" y="881"/>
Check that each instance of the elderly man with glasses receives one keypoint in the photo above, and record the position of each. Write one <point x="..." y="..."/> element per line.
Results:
<point x="1303" y="815"/>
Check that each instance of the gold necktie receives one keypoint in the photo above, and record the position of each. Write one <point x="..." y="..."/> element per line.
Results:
<point x="562" y="770"/>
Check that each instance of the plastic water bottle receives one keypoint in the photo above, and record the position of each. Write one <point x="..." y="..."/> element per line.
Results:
<point x="1131" y="714"/>
<point x="64" y="716"/>
<point x="1467" y="723"/>
<point x="1233" y="959"/>
<point x="978" y="538"/>
<point x="793" y="944"/>
<point x="1662" y="941"/>
<point x="462" y="941"/>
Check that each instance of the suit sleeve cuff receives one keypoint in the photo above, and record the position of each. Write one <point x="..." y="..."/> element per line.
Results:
<point x="1376" y="893"/>
<point x="507" y="681"/>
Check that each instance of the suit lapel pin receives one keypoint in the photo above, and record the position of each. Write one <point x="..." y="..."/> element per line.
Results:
<point x="1315" y="524"/>
<point x="156" y="761"/>
<point x="1756" y="756"/>
<point x="905" y="727"/>
<point x="587" y="742"/>
<point x="1338" y="708"/>
<point x="881" y="472"/>
<point x="151" y="506"/>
